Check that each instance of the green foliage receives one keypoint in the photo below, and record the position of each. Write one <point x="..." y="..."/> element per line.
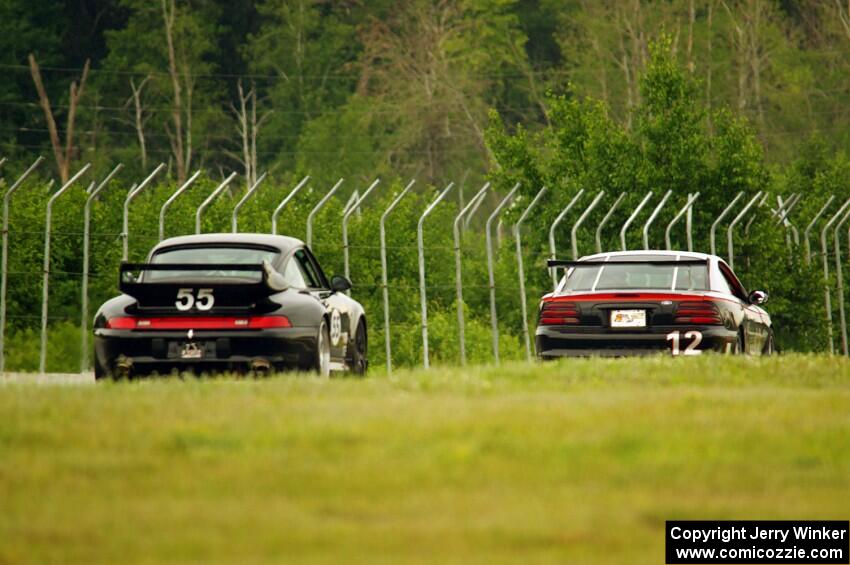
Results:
<point x="680" y="146"/>
<point x="624" y="97"/>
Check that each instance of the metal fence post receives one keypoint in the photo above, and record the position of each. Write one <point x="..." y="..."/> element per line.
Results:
<point x="474" y="209"/>
<point x="689" y="226"/>
<point x="521" y="271"/>
<point x="171" y="199"/>
<point x="125" y="222"/>
<point x="84" y="298"/>
<point x="605" y="221"/>
<point x="631" y="219"/>
<point x="384" y="287"/>
<point x="461" y="322"/>
<point x="234" y="218"/>
<point x="731" y="228"/>
<point x="811" y="225"/>
<point x="691" y="199"/>
<point x="652" y="218"/>
<point x="789" y="205"/>
<point x="209" y="200"/>
<point x="345" y="216"/>
<point x="4" y="275"/>
<point x="752" y="219"/>
<point x="286" y="200"/>
<point x="316" y="209"/>
<point x="840" y="281"/>
<point x="552" y="250"/>
<point x="352" y="200"/>
<point x="826" y="295"/>
<point x="45" y="281"/>
<point x="494" y="321"/>
<point x="719" y="219"/>
<point x="423" y="298"/>
<point x="581" y="220"/>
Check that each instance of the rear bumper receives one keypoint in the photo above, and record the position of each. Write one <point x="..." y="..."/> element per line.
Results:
<point x="160" y="351"/>
<point x="572" y="341"/>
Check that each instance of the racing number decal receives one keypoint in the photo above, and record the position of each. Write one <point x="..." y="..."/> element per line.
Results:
<point x="691" y="349"/>
<point x="186" y="300"/>
<point x="336" y="327"/>
<point x="205" y="299"/>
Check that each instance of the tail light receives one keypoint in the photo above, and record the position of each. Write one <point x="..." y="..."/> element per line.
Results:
<point x="559" y="314"/>
<point x="198" y="323"/>
<point x="702" y="313"/>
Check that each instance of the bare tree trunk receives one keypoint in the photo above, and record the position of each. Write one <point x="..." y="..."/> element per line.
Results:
<point x="754" y="24"/>
<point x="168" y="15"/>
<point x="844" y="16"/>
<point x="190" y="90"/>
<point x="248" y="127"/>
<point x="255" y="130"/>
<point x="741" y="47"/>
<point x="241" y="115"/>
<point x="63" y="156"/>
<point x="710" y="61"/>
<point x="254" y="127"/>
<point x="691" y="18"/>
<point x="139" y="118"/>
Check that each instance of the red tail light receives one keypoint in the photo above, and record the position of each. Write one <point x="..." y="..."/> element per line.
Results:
<point x="704" y="313"/>
<point x="558" y="314"/>
<point x="198" y="323"/>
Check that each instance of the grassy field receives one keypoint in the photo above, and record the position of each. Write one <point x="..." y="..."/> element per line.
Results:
<point x="581" y="461"/>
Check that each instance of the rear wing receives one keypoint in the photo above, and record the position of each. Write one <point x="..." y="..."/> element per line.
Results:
<point x="561" y="263"/>
<point x="231" y="292"/>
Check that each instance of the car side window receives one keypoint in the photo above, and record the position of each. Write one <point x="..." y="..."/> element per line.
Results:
<point x="311" y="277"/>
<point x="317" y="269"/>
<point x="293" y="275"/>
<point x="732" y="282"/>
<point x="723" y="284"/>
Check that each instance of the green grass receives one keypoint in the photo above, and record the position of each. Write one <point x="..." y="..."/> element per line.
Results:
<point x="581" y="461"/>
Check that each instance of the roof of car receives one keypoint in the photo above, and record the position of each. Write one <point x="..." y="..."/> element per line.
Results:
<point x="656" y="252"/>
<point x="282" y="242"/>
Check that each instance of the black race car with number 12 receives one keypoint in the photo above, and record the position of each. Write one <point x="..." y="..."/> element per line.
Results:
<point x="236" y="302"/>
<point x="639" y="302"/>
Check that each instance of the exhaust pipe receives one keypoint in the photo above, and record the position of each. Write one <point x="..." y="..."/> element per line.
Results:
<point x="123" y="367"/>
<point x="261" y="367"/>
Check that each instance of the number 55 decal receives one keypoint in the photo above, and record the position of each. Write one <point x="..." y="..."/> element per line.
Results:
<point x="185" y="299"/>
<point x="691" y="349"/>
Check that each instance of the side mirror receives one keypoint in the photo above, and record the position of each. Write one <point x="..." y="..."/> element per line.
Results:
<point x="339" y="283"/>
<point x="758" y="297"/>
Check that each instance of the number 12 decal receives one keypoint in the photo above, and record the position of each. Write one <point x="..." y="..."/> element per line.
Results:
<point x="691" y="349"/>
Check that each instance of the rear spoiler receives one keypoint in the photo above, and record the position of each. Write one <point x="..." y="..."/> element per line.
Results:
<point x="561" y="263"/>
<point x="229" y="294"/>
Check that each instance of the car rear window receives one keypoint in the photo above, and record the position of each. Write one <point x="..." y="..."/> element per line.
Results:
<point x="640" y="276"/>
<point x="210" y="254"/>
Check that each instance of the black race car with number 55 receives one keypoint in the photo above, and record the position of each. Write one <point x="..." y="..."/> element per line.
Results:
<point x="643" y="302"/>
<point x="236" y="302"/>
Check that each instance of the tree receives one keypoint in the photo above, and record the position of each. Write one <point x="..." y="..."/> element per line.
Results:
<point x="173" y="44"/>
<point x="63" y="155"/>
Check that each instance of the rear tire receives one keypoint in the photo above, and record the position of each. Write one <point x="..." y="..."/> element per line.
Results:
<point x="360" y="350"/>
<point x="100" y="372"/>
<point x="770" y="345"/>
<point x="322" y="361"/>
<point x="739" y="345"/>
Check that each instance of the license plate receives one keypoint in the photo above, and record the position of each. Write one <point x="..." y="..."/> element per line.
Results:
<point x="191" y="351"/>
<point x="628" y="318"/>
